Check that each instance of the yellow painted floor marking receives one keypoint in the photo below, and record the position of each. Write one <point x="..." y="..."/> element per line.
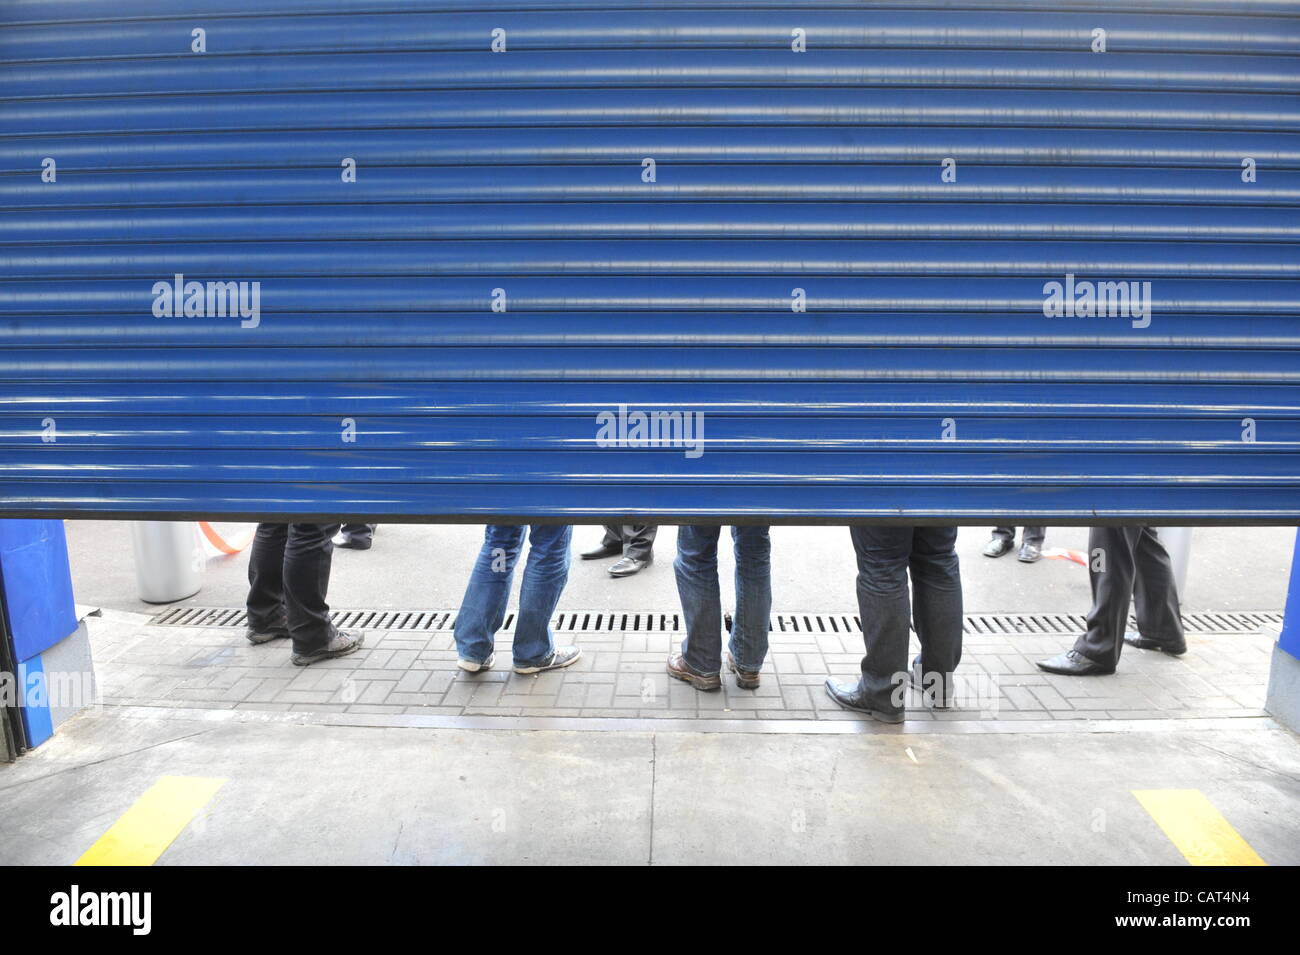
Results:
<point x="1199" y="830"/>
<point x="145" y="830"/>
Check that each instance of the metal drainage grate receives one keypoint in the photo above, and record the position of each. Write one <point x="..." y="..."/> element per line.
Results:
<point x="605" y="621"/>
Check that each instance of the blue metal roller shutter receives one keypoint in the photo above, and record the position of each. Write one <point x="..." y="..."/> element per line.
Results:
<point x="923" y="382"/>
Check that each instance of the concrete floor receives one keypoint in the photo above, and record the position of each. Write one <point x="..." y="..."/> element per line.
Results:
<point x="426" y="565"/>
<point x="317" y="786"/>
<point x="313" y="794"/>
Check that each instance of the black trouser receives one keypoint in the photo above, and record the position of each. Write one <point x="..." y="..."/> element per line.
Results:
<point x="638" y="540"/>
<point x="885" y="556"/>
<point x="1135" y="567"/>
<point x="359" y="532"/>
<point x="1030" y="535"/>
<point x="288" y="576"/>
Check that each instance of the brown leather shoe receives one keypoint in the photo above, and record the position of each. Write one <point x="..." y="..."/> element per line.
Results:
<point x="745" y="679"/>
<point x="678" y="670"/>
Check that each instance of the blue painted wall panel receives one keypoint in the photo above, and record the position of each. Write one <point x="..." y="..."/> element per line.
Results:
<point x="37" y="585"/>
<point x="916" y="375"/>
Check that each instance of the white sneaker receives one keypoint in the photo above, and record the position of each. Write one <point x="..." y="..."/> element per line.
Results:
<point x="562" y="657"/>
<point x="469" y="666"/>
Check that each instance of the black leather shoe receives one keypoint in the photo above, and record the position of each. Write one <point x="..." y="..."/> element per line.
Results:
<point x="998" y="547"/>
<point x="930" y="685"/>
<point x="629" y="566"/>
<point x="850" y="696"/>
<point x="1029" y="553"/>
<point x="1142" y="643"/>
<point x="348" y="542"/>
<point x="604" y="550"/>
<point x="1073" y="663"/>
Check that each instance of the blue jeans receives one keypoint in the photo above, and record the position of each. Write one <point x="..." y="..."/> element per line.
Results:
<point x="697" y="583"/>
<point x="483" y="609"/>
<point x="885" y="555"/>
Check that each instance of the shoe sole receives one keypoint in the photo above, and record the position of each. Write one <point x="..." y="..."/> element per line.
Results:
<point x="699" y="682"/>
<point x="1029" y="560"/>
<point x="525" y="671"/>
<point x="306" y="661"/>
<point x="258" y="639"/>
<point x="995" y="556"/>
<point x="1144" y="644"/>
<point x="744" y="682"/>
<point x="628" y="573"/>
<point x="599" y="556"/>
<point x="874" y="714"/>
<point x="1075" y="672"/>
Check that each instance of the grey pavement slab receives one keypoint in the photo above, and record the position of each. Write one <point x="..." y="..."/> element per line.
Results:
<point x="621" y="675"/>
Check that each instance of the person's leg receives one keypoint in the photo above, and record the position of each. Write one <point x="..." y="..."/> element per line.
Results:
<point x="883" y="607"/>
<point x="937" y="607"/>
<point x="1111" y="572"/>
<point x="1155" y="593"/>
<point x="639" y="541"/>
<point x="266" y="610"/>
<point x="1033" y="535"/>
<point x="611" y="545"/>
<point x="307" y="557"/>
<point x="749" y="629"/>
<point x="354" y="536"/>
<point x="545" y="575"/>
<point x="1002" y="542"/>
<point x="696" y="569"/>
<point x="483" y="608"/>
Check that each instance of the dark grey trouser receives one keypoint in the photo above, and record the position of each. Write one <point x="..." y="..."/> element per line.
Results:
<point x="288" y="577"/>
<point x="1030" y="535"/>
<point x="885" y="556"/>
<point x="638" y="540"/>
<point x="1138" y="569"/>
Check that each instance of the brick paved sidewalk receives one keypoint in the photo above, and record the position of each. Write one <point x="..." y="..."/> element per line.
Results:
<point x="621" y="674"/>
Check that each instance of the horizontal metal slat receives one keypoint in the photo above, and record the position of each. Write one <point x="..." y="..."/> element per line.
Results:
<point x="686" y="293"/>
<point x="505" y="259"/>
<point x="241" y="398"/>
<point x="657" y="69"/>
<point x="273" y="151"/>
<point x="689" y="364"/>
<point x="599" y="502"/>
<point x="623" y="29"/>
<point x="642" y="221"/>
<point x="730" y="432"/>
<point x="743" y="329"/>
<point x="491" y="192"/>
<point x="385" y="109"/>
<point x="53" y="11"/>
<point x="690" y="460"/>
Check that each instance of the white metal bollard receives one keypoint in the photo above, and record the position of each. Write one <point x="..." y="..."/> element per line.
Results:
<point x="169" y="560"/>
<point x="1178" y="541"/>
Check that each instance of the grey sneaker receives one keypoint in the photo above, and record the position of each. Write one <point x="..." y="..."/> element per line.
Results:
<point x="340" y="645"/>
<point x="469" y="666"/>
<point x="256" y="637"/>
<point x="562" y="657"/>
